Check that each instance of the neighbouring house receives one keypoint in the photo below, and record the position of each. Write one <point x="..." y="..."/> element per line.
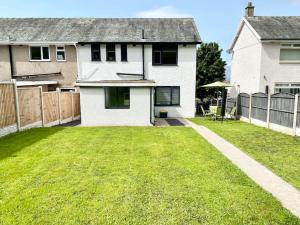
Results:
<point x="131" y="69"/>
<point x="38" y="52"/>
<point x="266" y="54"/>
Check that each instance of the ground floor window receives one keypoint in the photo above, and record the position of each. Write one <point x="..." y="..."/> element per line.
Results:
<point x="288" y="88"/>
<point x="117" y="97"/>
<point x="167" y="96"/>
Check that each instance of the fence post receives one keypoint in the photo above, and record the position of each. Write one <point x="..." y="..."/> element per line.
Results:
<point x="295" y="114"/>
<point x="17" y="108"/>
<point x="42" y="106"/>
<point x="237" y="107"/>
<point x="268" y="110"/>
<point x="59" y="105"/>
<point x="72" y="101"/>
<point x="250" y="106"/>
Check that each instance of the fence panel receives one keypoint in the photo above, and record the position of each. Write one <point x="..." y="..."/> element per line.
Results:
<point x="7" y="105"/>
<point x="243" y="104"/>
<point x="231" y="102"/>
<point x="76" y="104"/>
<point x="30" y="106"/>
<point x="51" y="107"/>
<point x="66" y="105"/>
<point x="282" y="109"/>
<point x="259" y="106"/>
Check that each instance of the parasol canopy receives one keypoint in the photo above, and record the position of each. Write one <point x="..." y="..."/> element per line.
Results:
<point x="217" y="84"/>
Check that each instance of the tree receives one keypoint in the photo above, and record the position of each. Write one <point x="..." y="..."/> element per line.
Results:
<point x="210" y="68"/>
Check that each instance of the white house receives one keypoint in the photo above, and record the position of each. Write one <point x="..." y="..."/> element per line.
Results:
<point x="266" y="54"/>
<point x="130" y="69"/>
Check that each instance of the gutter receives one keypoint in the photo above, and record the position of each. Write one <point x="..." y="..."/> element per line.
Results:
<point x="36" y="43"/>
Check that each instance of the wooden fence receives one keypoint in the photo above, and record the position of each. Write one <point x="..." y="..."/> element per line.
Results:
<point x="23" y="108"/>
<point x="278" y="111"/>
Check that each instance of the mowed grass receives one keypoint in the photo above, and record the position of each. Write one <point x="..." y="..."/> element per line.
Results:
<point x="279" y="152"/>
<point x="126" y="176"/>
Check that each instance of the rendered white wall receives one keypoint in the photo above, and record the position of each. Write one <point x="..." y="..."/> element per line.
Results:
<point x="183" y="74"/>
<point x="273" y="70"/>
<point x="246" y="62"/>
<point x="93" y="112"/>
<point x="105" y="70"/>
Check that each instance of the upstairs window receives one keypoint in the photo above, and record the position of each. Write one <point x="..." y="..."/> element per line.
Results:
<point x="167" y="96"/>
<point x="96" y="53"/>
<point x="123" y="52"/>
<point x="117" y="97"/>
<point x="60" y="53"/>
<point x="164" y="54"/>
<point x="110" y="52"/>
<point x="39" y="53"/>
<point x="290" y="53"/>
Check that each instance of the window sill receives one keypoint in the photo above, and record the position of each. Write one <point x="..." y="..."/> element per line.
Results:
<point x="164" y="64"/>
<point x="111" y="60"/>
<point x="117" y="107"/>
<point x="289" y="62"/>
<point x="43" y="60"/>
<point x="167" y="105"/>
<point x="61" y="60"/>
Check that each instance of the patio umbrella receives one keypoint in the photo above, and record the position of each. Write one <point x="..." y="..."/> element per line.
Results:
<point x="222" y="85"/>
<point x="217" y="84"/>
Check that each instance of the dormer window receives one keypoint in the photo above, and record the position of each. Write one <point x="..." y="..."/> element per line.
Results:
<point x="110" y="52"/>
<point x="164" y="54"/>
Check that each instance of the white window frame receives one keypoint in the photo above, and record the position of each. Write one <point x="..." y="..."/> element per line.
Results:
<point x="289" y="46"/>
<point x="286" y="86"/>
<point x="42" y="56"/>
<point x="59" y="50"/>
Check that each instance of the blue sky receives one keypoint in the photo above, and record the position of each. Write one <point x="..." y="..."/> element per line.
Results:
<point x="217" y="20"/>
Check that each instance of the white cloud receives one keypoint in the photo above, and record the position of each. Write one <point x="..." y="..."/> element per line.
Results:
<point x="297" y="2"/>
<point x="162" y="12"/>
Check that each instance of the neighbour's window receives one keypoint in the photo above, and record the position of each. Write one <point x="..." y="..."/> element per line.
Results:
<point x="117" y="97"/>
<point x="290" y="53"/>
<point x="60" y="53"/>
<point x="39" y="53"/>
<point x="123" y="52"/>
<point x="167" y="96"/>
<point x="288" y="88"/>
<point x="164" y="54"/>
<point x="110" y="52"/>
<point x="96" y="53"/>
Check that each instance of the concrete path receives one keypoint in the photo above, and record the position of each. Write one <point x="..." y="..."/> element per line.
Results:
<point x="283" y="191"/>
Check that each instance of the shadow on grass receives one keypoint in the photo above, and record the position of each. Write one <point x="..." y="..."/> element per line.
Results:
<point x="13" y="143"/>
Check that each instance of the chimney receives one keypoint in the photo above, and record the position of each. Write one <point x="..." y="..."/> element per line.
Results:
<point x="249" y="10"/>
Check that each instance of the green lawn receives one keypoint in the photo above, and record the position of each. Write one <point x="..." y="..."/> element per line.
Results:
<point x="126" y="176"/>
<point x="277" y="151"/>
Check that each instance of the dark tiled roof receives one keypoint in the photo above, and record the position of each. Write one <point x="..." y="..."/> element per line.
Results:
<point x="98" y="30"/>
<point x="276" y="27"/>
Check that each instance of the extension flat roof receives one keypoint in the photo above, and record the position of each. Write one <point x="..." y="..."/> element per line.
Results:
<point x="116" y="83"/>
